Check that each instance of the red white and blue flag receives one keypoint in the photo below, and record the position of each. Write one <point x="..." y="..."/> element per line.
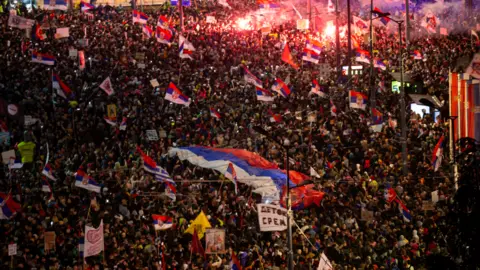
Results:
<point x="139" y="17"/>
<point x="86" y="6"/>
<point x="333" y="108"/>
<point x="281" y="88"/>
<point x="232" y="175"/>
<point x="161" y="223"/>
<point x="8" y="207"/>
<point x="43" y="59"/>
<point x="357" y="100"/>
<point x="186" y="48"/>
<point x="377" y="117"/>
<point x="384" y="20"/>
<point x="362" y="56"/>
<point x="417" y="55"/>
<point x="267" y="4"/>
<point x="378" y="63"/>
<point x="147" y="31"/>
<point x="314" y="45"/>
<point x="318" y="89"/>
<point x="407" y="217"/>
<point x="110" y="121"/>
<point x="83" y="180"/>
<point x="310" y="56"/>
<point x="235" y="263"/>
<point x="250" y="78"/>
<point x="214" y="113"/>
<point x="264" y="95"/>
<point x="123" y="124"/>
<point x="176" y="96"/>
<point x="62" y="89"/>
<point x="438" y="153"/>
<point x="164" y="35"/>
<point x="48" y="172"/>
<point x="164" y="22"/>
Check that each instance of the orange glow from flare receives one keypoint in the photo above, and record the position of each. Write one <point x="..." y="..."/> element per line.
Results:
<point x="329" y="31"/>
<point x="243" y="24"/>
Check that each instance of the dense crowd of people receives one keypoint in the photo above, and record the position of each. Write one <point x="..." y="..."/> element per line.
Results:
<point x="355" y="164"/>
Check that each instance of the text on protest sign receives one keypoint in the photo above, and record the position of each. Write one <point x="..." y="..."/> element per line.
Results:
<point x="272" y="217"/>
<point x="94" y="241"/>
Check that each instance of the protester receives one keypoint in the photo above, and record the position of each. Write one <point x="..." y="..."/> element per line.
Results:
<point x="355" y="165"/>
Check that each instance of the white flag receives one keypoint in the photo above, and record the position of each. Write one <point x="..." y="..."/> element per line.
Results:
<point x="107" y="86"/>
<point x="94" y="241"/>
<point x="314" y="173"/>
<point x="325" y="263"/>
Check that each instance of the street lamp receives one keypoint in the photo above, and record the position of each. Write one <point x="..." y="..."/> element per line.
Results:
<point x="286" y="147"/>
<point x="403" y="139"/>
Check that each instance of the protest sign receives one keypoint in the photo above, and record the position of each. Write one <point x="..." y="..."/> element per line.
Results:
<point x="106" y="85"/>
<point x="141" y="65"/>
<point x="20" y="22"/>
<point x="49" y="240"/>
<point x="428" y="206"/>
<point x="72" y="53"/>
<point x="324" y="263"/>
<point x="366" y="215"/>
<point x="62" y="32"/>
<point x="7" y="155"/>
<point x="435" y="196"/>
<point x="29" y="120"/>
<point x="211" y="19"/>
<point x="152" y="135"/>
<point x="215" y="241"/>
<point x="112" y="112"/>
<point x="94" y="241"/>
<point x="12" y="249"/>
<point x="154" y="83"/>
<point x="272" y="217"/>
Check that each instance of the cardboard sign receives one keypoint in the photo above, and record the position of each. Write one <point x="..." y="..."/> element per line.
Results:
<point x="366" y="215"/>
<point x="112" y="111"/>
<point x="211" y="19"/>
<point x="12" y="249"/>
<point x="272" y="217"/>
<point x="428" y="206"/>
<point x="29" y="120"/>
<point x="49" y="241"/>
<point x="73" y="53"/>
<point x="435" y="196"/>
<point x="215" y="241"/>
<point x="312" y="117"/>
<point x="7" y="155"/>
<point x="141" y="65"/>
<point x="152" y="135"/>
<point x="154" y="83"/>
<point x="140" y="56"/>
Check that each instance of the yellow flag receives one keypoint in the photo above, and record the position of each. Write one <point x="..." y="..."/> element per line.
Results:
<point x="200" y="224"/>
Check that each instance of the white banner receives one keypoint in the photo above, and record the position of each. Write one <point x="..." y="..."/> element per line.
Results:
<point x="20" y="22"/>
<point x="272" y="217"/>
<point x="94" y="241"/>
<point x="325" y="263"/>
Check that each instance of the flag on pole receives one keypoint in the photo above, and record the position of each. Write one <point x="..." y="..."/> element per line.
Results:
<point x="61" y="88"/>
<point x="106" y="86"/>
<point x="288" y="58"/>
<point x="43" y="58"/>
<point x="437" y="154"/>
<point x="176" y="96"/>
<point x="318" y="89"/>
<point x="417" y="55"/>
<point x="378" y="63"/>
<point x="197" y="245"/>
<point x="164" y="35"/>
<point x="235" y="263"/>
<point x="186" y="48"/>
<point x="123" y="124"/>
<point x="147" y="31"/>
<point x="83" y="180"/>
<point x="232" y="175"/>
<point x="281" y="88"/>
<point x="86" y="6"/>
<point x="161" y="223"/>
<point x="8" y="207"/>
<point x="264" y="95"/>
<point x="214" y="113"/>
<point x="139" y="17"/>
<point x="48" y="172"/>
<point x="250" y="78"/>
<point x="357" y="100"/>
<point x="199" y="225"/>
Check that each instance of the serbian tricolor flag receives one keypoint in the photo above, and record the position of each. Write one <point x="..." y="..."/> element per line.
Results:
<point x="281" y="88"/>
<point x="275" y="117"/>
<point x="61" y="88"/>
<point x="235" y="263"/>
<point x="362" y="56"/>
<point x="86" y="6"/>
<point x="267" y="4"/>
<point x="161" y="223"/>
<point x="264" y="95"/>
<point x="314" y="45"/>
<point x="384" y="20"/>
<point x="333" y="108"/>
<point x="175" y="95"/>
<point x="147" y="31"/>
<point x="186" y="48"/>
<point x="390" y="194"/>
<point x="317" y="89"/>
<point x="43" y="58"/>
<point x="250" y="78"/>
<point x="377" y="117"/>
<point x="438" y="153"/>
<point x="139" y="17"/>
<point x="8" y="207"/>
<point x="214" y="113"/>
<point x="310" y="56"/>
<point x="288" y="58"/>
<point x="417" y="55"/>
<point x="407" y="217"/>
<point x="164" y="35"/>
<point x="232" y="175"/>
<point x="357" y="100"/>
<point x="123" y="124"/>
<point x="48" y="172"/>
<point x="164" y="22"/>
<point x="378" y="63"/>
<point x="83" y="180"/>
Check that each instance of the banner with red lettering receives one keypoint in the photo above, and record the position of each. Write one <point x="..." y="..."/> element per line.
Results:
<point x="94" y="241"/>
